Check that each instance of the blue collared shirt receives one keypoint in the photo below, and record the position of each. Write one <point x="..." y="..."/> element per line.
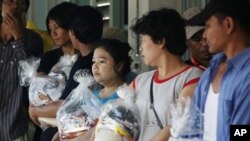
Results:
<point x="234" y="94"/>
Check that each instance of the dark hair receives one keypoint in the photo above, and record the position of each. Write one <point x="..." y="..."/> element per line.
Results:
<point x="164" y="24"/>
<point x="27" y="5"/>
<point x="119" y="51"/>
<point x="62" y="14"/>
<point x="88" y="24"/>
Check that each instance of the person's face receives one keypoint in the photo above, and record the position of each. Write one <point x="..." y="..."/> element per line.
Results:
<point x="103" y="67"/>
<point x="12" y="6"/>
<point x="58" y="34"/>
<point x="198" y="46"/>
<point x="149" y="50"/>
<point x="215" y="35"/>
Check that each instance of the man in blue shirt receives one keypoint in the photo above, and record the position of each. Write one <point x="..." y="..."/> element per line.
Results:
<point x="227" y="80"/>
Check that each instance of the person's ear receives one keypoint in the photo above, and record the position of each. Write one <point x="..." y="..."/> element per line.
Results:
<point x="119" y="67"/>
<point x="162" y="43"/>
<point x="229" y="24"/>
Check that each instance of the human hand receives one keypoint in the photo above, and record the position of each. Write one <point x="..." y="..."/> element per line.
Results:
<point x="32" y="115"/>
<point x="14" y="25"/>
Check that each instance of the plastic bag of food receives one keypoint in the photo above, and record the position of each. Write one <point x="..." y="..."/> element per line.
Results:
<point x="27" y="70"/>
<point x="44" y="89"/>
<point x="64" y="65"/>
<point x="80" y="110"/>
<point x="186" y="121"/>
<point x="119" y="120"/>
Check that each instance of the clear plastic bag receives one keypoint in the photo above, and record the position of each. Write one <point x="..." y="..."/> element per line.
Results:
<point x="186" y="121"/>
<point x="80" y="110"/>
<point x="27" y="70"/>
<point x="119" y="120"/>
<point x="44" y="89"/>
<point x="64" y="65"/>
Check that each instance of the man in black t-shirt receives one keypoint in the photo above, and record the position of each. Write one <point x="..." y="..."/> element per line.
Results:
<point x="85" y="30"/>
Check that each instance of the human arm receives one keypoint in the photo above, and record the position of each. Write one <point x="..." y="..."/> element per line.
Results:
<point x="87" y="136"/>
<point x="240" y="104"/>
<point x="49" y="110"/>
<point x="14" y="25"/>
<point x="163" y="135"/>
<point x="18" y="33"/>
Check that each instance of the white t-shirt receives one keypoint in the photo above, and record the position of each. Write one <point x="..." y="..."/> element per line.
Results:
<point x="210" y="115"/>
<point x="165" y="92"/>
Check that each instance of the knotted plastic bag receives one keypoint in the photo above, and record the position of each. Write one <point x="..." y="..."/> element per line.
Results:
<point x="27" y="70"/>
<point x="186" y="121"/>
<point x="64" y="65"/>
<point x="80" y="110"/>
<point x="44" y="89"/>
<point x="119" y="120"/>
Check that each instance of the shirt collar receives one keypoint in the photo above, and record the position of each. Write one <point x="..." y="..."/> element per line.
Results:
<point x="237" y="61"/>
<point x="217" y="58"/>
<point x="240" y="59"/>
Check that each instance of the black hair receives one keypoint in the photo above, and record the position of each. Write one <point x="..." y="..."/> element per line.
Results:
<point x="163" y="24"/>
<point x="62" y="14"/>
<point x="27" y="5"/>
<point x="119" y="51"/>
<point x="88" y="24"/>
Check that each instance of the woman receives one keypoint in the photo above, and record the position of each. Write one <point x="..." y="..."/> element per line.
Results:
<point x="163" y="43"/>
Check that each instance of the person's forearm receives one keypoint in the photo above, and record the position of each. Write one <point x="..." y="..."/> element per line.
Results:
<point x="163" y="135"/>
<point x="49" y="110"/>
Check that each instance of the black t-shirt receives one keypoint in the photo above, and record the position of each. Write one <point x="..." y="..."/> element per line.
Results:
<point x="33" y="43"/>
<point x="82" y="62"/>
<point x="49" y="59"/>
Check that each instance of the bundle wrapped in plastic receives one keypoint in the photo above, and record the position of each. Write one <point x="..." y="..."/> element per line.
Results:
<point x="27" y="70"/>
<point x="119" y="120"/>
<point x="44" y="89"/>
<point x="80" y="110"/>
<point x="64" y="65"/>
<point x="186" y="121"/>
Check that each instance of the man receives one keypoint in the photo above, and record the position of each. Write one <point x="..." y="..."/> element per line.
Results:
<point x="223" y="93"/>
<point x="82" y="37"/>
<point x="200" y="55"/>
<point x="16" y="44"/>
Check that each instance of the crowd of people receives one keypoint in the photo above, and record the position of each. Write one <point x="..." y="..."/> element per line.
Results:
<point x="215" y="77"/>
